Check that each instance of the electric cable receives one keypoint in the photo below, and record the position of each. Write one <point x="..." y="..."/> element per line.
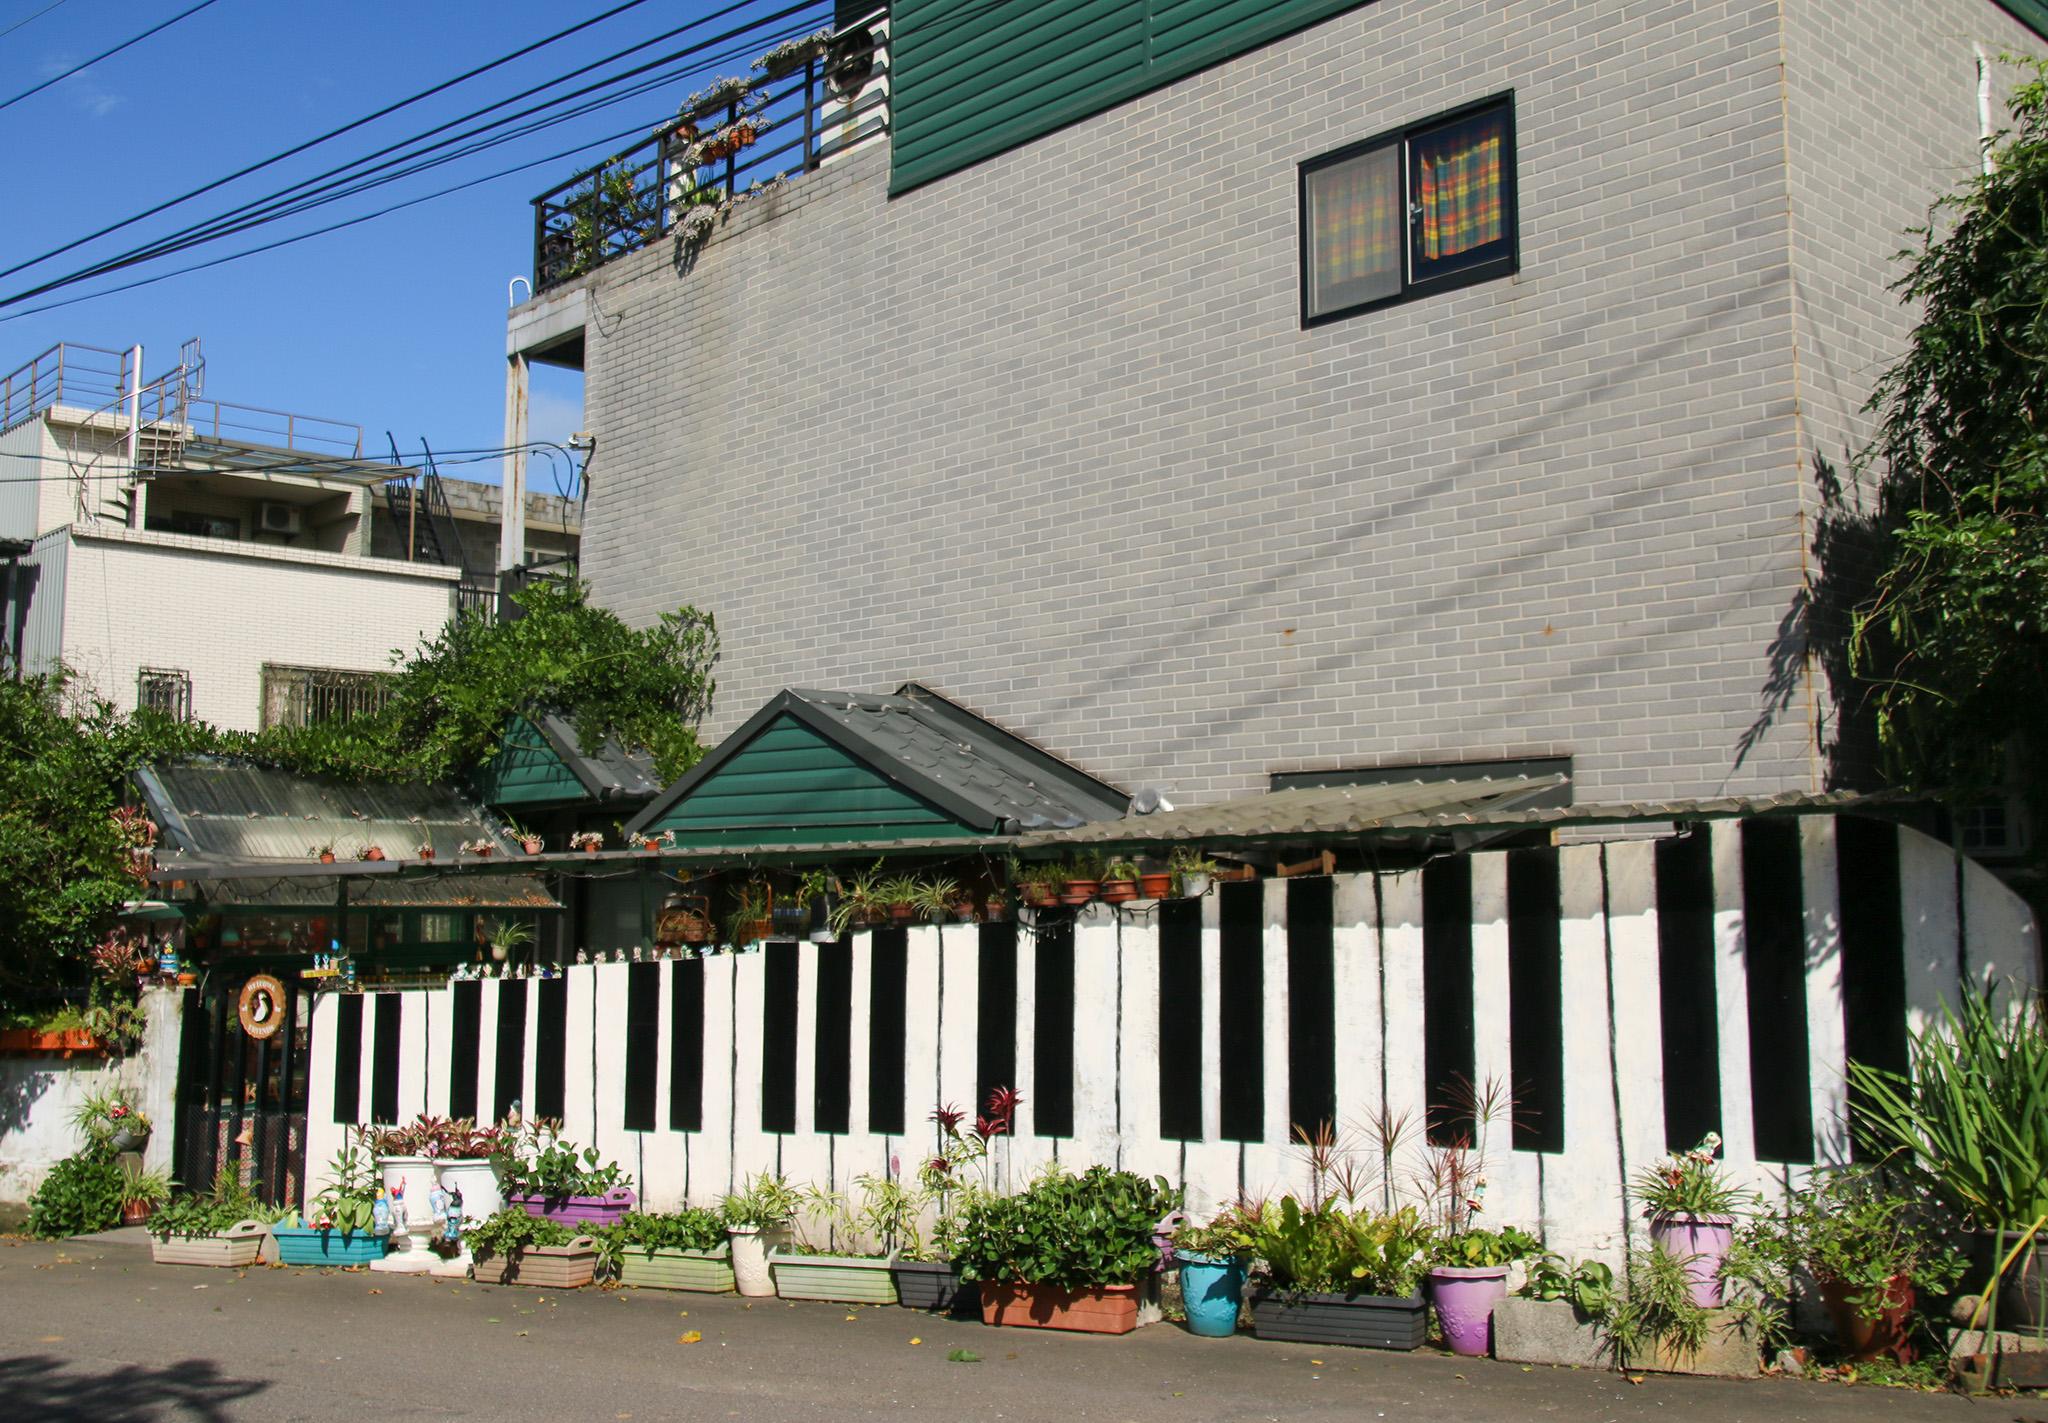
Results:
<point x="103" y="54"/>
<point x="36" y="16"/>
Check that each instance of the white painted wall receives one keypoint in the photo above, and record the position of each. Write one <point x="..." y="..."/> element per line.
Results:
<point x="1614" y="1068"/>
<point x="219" y="611"/>
<point x="39" y="1093"/>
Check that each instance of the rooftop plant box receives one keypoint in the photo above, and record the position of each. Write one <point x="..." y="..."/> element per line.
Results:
<point x="851" y="1279"/>
<point x="65" y="1043"/>
<point x="1099" y="1309"/>
<point x="1362" y="1321"/>
<point x="555" y="1267"/>
<point x="706" y="1271"/>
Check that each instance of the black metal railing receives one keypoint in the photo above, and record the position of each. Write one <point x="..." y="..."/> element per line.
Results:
<point x="686" y="172"/>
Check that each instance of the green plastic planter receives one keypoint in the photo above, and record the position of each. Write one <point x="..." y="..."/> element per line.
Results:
<point x="705" y="1271"/>
<point x="849" y="1279"/>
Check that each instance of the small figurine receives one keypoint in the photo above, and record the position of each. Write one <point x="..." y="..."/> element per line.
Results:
<point x="583" y="956"/>
<point x="380" y="1214"/>
<point x="453" y="1214"/>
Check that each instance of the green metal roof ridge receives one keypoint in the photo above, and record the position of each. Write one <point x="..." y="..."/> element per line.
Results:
<point x="1028" y="756"/>
<point x="2031" y="13"/>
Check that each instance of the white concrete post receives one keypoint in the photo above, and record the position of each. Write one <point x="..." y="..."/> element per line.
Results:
<point x="135" y="434"/>
<point x="512" y="515"/>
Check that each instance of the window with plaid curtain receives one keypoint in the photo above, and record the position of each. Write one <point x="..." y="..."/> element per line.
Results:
<point x="1459" y="187"/>
<point x="1355" y="215"/>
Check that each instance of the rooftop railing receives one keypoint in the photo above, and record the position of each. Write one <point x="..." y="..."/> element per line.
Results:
<point x="814" y="101"/>
<point x="66" y="373"/>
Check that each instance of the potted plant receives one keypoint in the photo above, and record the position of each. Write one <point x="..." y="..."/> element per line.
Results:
<point x="934" y="899"/>
<point x="223" y="1227"/>
<point x="588" y="841"/>
<point x="142" y="1192"/>
<point x="900" y="897"/>
<point x="323" y="853"/>
<point x="1081" y="880"/>
<point x="1868" y="1249"/>
<point x="1338" y="1276"/>
<point x="757" y="1219"/>
<point x="1119" y="882"/>
<point x="531" y="843"/>
<point x="482" y="848"/>
<point x="1558" y="1315"/>
<point x="752" y="917"/>
<point x="926" y="1274"/>
<point x="106" y="1117"/>
<point x="680" y="1250"/>
<point x="1039" y="883"/>
<point x="1213" y="1260"/>
<point x="370" y="852"/>
<point x="1155" y="884"/>
<point x="1467" y="1277"/>
<point x="1191" y="872"/>
<point x="840" y="1250"/>
<point x="1692" y="1209"/>
<point x="1069" y="1252"/>
<point x="425" y="850"/>
<point x="1966" y="1125"/>
<point x="550" y="1179"/>
<point x="341" y="1219"/>
<point x="505" y="935"/>
<point x="81" y="1195"/>
<point x="516" y="1248"/>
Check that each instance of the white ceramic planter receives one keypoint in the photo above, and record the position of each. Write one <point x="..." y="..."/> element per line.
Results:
<point x="413" y="1226"/>
<point x="750" y="1262"/>
<point x="483" y="1196"/>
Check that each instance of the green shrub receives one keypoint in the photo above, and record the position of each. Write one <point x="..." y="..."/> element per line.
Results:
<point x="511" y="1229"/>
<point x="81" y="1195"/>
<point x="1330" y="1250"/>
<point x="1071" y="1232"/>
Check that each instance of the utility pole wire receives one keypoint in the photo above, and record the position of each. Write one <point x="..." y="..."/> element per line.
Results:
<point x="103" y="54"/>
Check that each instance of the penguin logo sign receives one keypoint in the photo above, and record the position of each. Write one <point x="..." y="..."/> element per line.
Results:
<point x="262" y="1006"/>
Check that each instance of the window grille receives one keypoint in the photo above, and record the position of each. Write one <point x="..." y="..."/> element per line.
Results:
<point x="166" y="691"/>
<point x="320" y="696"/>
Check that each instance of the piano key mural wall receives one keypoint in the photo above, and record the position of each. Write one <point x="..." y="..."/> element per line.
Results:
<point x="1637" y="994"/>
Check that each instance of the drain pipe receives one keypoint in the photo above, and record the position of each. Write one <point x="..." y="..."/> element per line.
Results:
<point x="1984" y="108"/>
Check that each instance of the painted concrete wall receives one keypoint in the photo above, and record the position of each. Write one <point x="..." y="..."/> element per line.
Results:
<point x="1613" y="1055"/>
<point x="219" y="611"/>
<point x="38" y="1095"/>
<point x="1047" y="433"/>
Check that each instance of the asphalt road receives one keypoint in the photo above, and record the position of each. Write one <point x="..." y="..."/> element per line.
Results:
<point x="98" y="1332"/>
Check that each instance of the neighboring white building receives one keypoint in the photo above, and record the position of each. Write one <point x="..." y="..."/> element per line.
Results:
<point x="210" y="559"/>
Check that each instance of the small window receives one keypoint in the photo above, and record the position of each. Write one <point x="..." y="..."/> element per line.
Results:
<point x="320" y="696"/>
<point x="165" y="691"/>
<point x="1423" y="209"/>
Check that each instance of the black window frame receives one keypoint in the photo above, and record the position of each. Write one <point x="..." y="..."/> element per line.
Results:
<point x="1487" y="269"/>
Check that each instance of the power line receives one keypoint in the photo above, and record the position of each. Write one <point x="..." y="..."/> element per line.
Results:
<point x="36" y="16"/>
<point x="103" y="54"/>
<point x="348" y="127"/>
<point x="305" y="195"/>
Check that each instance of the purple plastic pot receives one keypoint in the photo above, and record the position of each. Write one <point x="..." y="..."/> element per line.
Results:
<point x="1702" y="1242"/>
<point x="577" y="1210"/>
<point x="1464" y="1296"/>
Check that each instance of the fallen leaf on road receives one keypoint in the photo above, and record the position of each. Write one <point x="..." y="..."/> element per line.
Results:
<point x="522" y="1334"/>
<point x="683" y="1314"/>
<point x="494" y="1320"/>
<point x="690" y="1338"/>
<point x="374" y="1292"/>
<point x="1317" y="1362"/>
<point x="963" y="1356"/>
<point x="915" y="1340"/>
<point x="51" y="1339"/>
<point x="851" y="1317"/>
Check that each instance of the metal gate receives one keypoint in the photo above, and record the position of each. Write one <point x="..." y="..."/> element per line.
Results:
<point x="242" y="1100"/>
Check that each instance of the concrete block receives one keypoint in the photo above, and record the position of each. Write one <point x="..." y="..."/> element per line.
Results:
<point x="1729" y="1351"/>
<point x="1540" y="1331"/>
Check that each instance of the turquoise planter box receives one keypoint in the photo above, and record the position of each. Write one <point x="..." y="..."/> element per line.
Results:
<point x="303" y="1245"/>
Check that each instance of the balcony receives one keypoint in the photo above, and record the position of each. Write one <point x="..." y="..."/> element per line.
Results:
<point x="810" y="102"/>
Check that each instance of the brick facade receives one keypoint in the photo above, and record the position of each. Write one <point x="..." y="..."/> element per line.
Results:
<point x="1047" y="434"/>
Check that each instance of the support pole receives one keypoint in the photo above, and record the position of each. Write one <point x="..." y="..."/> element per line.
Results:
<point x="512" y="514"/>
<point x="135" y="435"/>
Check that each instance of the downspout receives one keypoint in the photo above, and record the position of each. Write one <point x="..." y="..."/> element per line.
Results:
<point x="1984" y="108"/>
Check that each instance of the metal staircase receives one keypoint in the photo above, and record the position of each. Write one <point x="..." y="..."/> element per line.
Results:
<point x="426" y="527"/>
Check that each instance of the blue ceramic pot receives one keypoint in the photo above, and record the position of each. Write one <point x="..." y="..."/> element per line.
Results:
<point x="1212" y="1289"/>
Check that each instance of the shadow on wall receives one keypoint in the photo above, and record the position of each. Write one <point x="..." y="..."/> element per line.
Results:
<point x="1850" y="531"/>
<point x="38" y="1386"/>
<point x="21" y="1087"/>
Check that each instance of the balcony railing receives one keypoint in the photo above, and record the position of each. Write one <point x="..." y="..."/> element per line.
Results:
<point x="829" y="100"/>
<point x="81" y="375"/>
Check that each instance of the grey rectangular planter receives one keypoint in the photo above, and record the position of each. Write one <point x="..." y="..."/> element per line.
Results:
<point x="850" y="1279"/>
<point x="706" y="1271"/>
<point x="935" y="1287"/>
<point x="554" y="1267"/>
<point x="233" y="1248"/>
<point x="1361" y="1321"/>
<point x="1547" y="1331"/>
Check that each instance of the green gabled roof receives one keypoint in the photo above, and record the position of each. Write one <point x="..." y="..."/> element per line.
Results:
<point x="540" y="763"/>
<point x="856" y="768"/>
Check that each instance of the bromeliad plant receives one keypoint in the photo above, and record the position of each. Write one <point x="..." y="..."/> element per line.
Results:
<point x="965" y="1165"/>
<point x="439" y="1139"/>
<point x="1066" y="1232"/>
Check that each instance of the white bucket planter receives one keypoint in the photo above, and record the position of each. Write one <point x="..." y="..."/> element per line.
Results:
<point x="413" y="1226"/>
<point x="750" y="1262"/>
<point x="483" y="1196"/>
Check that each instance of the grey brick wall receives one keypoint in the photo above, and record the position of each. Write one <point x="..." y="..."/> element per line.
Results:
<point x="1048" y="435"/>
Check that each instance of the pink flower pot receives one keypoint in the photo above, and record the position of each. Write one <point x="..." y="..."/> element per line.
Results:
<point x="577" y="1210"/>
<point x="1464" y="1296"/>
<point x="1702" y="1242"/>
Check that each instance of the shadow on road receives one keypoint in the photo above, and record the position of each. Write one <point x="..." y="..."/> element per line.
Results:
<point x="39" y="1386"/>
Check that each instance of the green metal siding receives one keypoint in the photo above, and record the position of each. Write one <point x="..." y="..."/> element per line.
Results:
<point x="791" y="786"/>
<point x="526" y="771"/>
<point x="2031" y="13"/>
<point x="971" y="79"/>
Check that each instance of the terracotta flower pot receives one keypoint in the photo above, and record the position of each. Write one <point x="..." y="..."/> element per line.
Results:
<point x="902" y="913"/>
<point x="1119" y="891"/>
<point x="136" y="1212"/>
<point x="1155" y="886"/>
<point x="532" y="847"/>
<point x="1888" y="1334"/>
<point x="1079" y="891"/>
<point x="1039" y="897"/>
<point x="590" y="849"/>
<point x="373" y="853"/>
<point x="327" y="857"/>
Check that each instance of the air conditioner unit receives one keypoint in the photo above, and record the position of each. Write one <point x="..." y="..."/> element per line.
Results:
<point x="279" y="518"/>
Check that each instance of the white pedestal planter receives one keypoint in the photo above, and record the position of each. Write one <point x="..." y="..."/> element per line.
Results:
<point x="413" y="1226"/>
<point x="482" y="1197"/>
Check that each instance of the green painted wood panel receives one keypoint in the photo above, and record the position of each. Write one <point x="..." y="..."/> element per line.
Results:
<point x="2031" y="13"/>
<point x="971" y="79"/>
<point x="526" y="771"/>
<point x="790" y="786"/>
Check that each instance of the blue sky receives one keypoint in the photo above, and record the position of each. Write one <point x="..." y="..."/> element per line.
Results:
<point x="396" y="324"/>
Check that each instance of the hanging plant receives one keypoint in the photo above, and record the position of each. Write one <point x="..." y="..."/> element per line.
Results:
<point x="791" y="54"/>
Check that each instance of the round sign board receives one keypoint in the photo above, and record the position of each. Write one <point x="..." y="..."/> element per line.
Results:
<point x="262" y="1006"/>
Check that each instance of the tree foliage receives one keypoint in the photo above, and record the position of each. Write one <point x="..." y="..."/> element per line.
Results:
<point x="66" y="756"/>
<point x="1951" y="638"/>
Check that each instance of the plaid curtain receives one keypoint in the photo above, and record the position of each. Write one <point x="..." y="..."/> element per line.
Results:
<point x="1460" y="182"/>
<point x="1358" y="222"/>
